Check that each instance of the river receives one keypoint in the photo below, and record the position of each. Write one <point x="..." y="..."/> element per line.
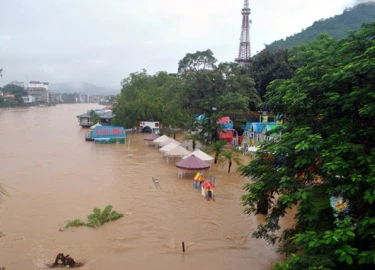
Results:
<point x="53" y="175"/>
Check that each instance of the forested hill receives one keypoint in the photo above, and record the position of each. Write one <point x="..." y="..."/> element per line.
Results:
<point x="336" y="27"/>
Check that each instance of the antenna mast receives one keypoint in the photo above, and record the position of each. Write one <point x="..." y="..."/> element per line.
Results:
<point x="244" y="51"/>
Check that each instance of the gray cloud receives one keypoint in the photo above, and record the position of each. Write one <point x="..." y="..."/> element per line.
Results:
<point x="102" y="41"/>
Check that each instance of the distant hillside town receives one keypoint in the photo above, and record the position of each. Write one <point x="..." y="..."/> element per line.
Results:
<point x="36" y="93"/>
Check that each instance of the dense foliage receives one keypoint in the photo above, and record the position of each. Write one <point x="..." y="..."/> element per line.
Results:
<point x="147" y="97"/>
<point x="200" y="87"/>
<point x="336" y="27"/>
<point x="327" y="152"/>
<point x="14" y="94"/>
<point x="96" y="219"/>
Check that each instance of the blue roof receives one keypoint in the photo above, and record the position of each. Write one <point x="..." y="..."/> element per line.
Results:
<point x="108" y="132"/>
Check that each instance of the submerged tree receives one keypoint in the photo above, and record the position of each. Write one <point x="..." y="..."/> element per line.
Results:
<point x="96" y="219"/>
<point x="217" y="148"/>
<point x="326" y="153"/>
<point x="230" y="157"/>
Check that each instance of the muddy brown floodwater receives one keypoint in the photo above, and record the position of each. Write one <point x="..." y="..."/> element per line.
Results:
<point x="52" y="175"/>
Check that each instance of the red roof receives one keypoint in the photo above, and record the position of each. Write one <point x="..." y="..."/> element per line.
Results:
<point x="208" y="184"/>
<point x="151" y="137"/>
<point x="192" y="163"/>
<point x="223" y="120"/>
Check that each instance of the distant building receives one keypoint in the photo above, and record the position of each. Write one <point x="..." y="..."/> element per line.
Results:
<point x="39" y="91"/>
<point x="28" y="99"/>
<point x="37" y="84"/>
<point x="84" y="98"/>
<point x="20" y="84"/>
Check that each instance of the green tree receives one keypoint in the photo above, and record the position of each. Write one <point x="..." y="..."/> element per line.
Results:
<point x="267" y="66"/>
<point x="230" y="157"/>
<point x="94" y="117"/>
<point x="200" y="60"/>
<point x="327" y="151"/>
<point x="216" y="148"/>
<point x="18" y="93"/>
<point x="144" y="97"/>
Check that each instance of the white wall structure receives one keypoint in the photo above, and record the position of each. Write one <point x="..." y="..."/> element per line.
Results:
<point x="37" y="84"/>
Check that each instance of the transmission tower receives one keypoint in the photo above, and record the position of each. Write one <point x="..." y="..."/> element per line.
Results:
<point x="244" y="51"/>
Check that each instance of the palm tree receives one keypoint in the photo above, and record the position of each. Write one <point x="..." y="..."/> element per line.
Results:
<point x="194" y="138"/>
<point x="230" y="156"/>
<point x="217" y="147"/>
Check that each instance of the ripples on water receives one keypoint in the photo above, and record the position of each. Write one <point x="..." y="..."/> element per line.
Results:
<point x="53" y="175"/>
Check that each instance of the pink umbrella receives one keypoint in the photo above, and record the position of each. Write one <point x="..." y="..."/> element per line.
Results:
<point x="192" y="163"/>
<point x="151" y="137"/>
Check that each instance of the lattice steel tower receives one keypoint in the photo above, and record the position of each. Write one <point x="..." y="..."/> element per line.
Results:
<point x="244" y="52"/>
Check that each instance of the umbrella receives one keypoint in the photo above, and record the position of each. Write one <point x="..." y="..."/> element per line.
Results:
<point x="192" y="163"/>
<point x="151" y="137"/>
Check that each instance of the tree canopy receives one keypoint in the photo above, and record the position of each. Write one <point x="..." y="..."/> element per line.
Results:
<point x="200" y="88"/>
<point x="336" y="27"/>
<point x="326" y="155"/>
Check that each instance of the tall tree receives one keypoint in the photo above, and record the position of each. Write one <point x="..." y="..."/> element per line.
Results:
<point x="326" y="154"/>
<point x="267" y="66"/>
<point x="150" y="97"/>
<point x="200" y="60"/>
<point x="17" y="91"/>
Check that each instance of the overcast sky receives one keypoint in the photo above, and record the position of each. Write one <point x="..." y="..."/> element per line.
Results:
<point x="103" y="41"/>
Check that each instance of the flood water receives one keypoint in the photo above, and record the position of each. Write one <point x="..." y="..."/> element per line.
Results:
<point x="53" y="175"/>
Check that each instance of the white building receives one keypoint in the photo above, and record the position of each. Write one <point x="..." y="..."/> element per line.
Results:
<point x="39" y="91"/>
<point x="37" y="84"/>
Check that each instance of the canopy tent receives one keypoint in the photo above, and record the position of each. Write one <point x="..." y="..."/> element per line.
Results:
<point x="96" y="125"/>
<point x="168" y="147"/>
<point x="176" y="152"/>
<point x="150" y="138"/>
<point x="170" y="140"/>
<point x="201" y="155"/>
<point x="191" y="163"/>
<point x="161" y="139"/>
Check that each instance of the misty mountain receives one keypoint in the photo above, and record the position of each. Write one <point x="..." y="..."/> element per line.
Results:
<point x="84" y="88"/>
<point x="336" y="27"/>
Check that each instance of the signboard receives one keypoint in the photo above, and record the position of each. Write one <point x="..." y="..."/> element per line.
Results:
<point x="114" y="132"/>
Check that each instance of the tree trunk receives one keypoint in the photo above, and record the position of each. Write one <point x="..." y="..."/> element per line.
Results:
<point x="262" y="206"/>
<point x="230" y="165"/>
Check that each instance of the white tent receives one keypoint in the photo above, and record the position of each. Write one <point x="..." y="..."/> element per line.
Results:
<point x="94" y="126"/>
<point x="178" y="151"/>
<point x="161" y="139"/>
<point x="170" y="140"/>
<point x="201" y="155"/>
<point x="168" y="147"/>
